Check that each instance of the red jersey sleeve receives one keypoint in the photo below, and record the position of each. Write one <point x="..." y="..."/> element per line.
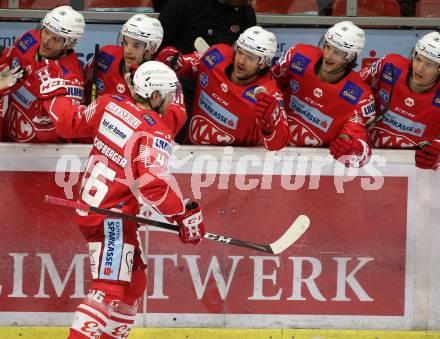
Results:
<point x="73" y="121"/>
<point x="158" y="187"/>
<point x="279" y="69"/>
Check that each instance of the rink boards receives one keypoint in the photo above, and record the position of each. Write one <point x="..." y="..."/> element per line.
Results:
<point x="368" y="261"/>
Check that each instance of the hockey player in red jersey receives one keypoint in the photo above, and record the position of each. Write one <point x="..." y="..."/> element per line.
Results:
<point x="407" y="93"/>
<point x="141" y="38"/>
<point x="327" y="102"/>
<point x="3" y="98"/>
<point x="128" y="161"/>
<point x="226" y="109"/>
<point x="25" y="118"/>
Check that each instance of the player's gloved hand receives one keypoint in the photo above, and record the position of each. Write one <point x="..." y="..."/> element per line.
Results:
<point x="49" y="73"/>
<point x="428" y="156"/>
<point x="171" y="57"/>
<point x="8" y="76"/>
<point x="52" y="88"/>
<point x="267" y="112"/>
<point x="351" y="152"/>
<point x="192" y="227"/>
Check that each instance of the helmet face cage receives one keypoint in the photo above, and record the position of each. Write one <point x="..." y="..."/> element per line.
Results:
<point x="258" y="41"/>
<point x="65" y="22"/>
<point x="145" y="29"/>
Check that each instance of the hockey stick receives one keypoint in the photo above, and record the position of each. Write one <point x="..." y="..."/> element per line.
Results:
<point x="293" y="233"/>
<point x="201" y="45"/>
<point x="95" y="71"/>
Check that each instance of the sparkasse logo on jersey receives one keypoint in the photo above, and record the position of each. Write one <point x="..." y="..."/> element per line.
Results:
<point x="111" y="254"/>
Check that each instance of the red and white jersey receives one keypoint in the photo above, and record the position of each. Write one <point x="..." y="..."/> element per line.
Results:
<point x="110" y="80"/>
<point x="318" y="112"/>
<point x="25" y="119"/>
<point x="224" y="112"/>
<point x="407" y="118"/>
<point x="3" y="98"/>
<point x="129" y="158"/>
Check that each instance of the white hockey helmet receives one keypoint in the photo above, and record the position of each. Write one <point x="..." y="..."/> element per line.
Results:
<point x="260" y="42"/>
<point x="154" y="76"/>
<point x="143" y="28"/>
<point x="65" y="22"/>
<point x="429" y="46"/>
<point x="347" y="37"/>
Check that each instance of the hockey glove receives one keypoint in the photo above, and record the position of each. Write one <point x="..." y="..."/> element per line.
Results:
<point x="52" y="88"/>
<point x="428" y="156"/>
<point x="351" y="152"/>
<point x="267" y="112"/>
<point x="192" y="227"/>
<point x="171" y="57"/>
<point x="9" y="77"/>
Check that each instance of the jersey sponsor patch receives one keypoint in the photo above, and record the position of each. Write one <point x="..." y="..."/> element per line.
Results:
<point x="126" y="262"/>
<point x="122" y="113"/>
<point x="24" y="97"/>
<point x="384" y="96"/>
<point x="111" y="254"/>
<point x="149" y="119"/>
<point x="105" y="60"/>
<point x="75" y="92"/>
<point x="109" y="152"/>
<point x="351" y="92"/>
<point x="100" y="85"/>
<point x="402" y="124"/>
<point x="436" y="99"/>
<point x="204" y="132"/>
<point x="118" y="97"/>
<point x="94" y="253"/>
<point x="26" y="42"/>
<point x="203" y="78"/>
<point x="249" y="94"/>
<point x="162" y="145"/>
<point x="368" y="110"/>
<point x="217" y="112"/>
<point x="390" y="73"/>
<point x="212" y="58"/>
<point x="310" y="114"/>
<point x="294" y="86"/>
<point x="114" y="130"/>
<point x="299" y="64"/>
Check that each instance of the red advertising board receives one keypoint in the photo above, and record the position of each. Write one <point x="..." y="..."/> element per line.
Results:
<point x="351" y="261"/>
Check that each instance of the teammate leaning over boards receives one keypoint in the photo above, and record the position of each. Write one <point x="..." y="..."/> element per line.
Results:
<point x="327" y="102"/>
<point x="128" y="161"/>
<point x="226" y="110"/>
<point x="25" y="119"/>
<point x="141" y="38"/>
<point x="408" y="98"/>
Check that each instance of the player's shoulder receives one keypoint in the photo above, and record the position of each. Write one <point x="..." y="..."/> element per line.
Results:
<point x="217" y="54"/>
<point x="27" y="41"/>
<point x="112" y="49"/>
<point x="355" y="78"/>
